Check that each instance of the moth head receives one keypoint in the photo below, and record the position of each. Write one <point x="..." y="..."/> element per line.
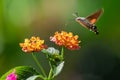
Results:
<point x="78" y="19"/>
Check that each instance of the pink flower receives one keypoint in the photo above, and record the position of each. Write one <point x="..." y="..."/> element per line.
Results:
<point x="12" y="76"/>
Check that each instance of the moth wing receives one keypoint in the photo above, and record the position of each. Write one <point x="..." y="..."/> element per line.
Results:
<point x="94" y="17"/>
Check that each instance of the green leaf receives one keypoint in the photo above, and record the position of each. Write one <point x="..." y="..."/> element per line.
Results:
<point x="35" y="77"/>
<point x="32" y="77"/>
<point x="22" y="72"/>
<point x="58" y="69"/>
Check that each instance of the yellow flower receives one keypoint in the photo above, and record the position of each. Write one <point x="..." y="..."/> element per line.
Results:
<point x="34" y="44"/>
<point x="66" y="39"/>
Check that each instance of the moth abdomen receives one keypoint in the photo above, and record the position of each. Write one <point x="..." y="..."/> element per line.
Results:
<point x="94" y="28"/>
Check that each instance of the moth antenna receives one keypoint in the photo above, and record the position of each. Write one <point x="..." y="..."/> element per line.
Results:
<point x="75" y="14"/>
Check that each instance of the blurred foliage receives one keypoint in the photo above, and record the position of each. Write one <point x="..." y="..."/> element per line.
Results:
<point x="99" y="56"/>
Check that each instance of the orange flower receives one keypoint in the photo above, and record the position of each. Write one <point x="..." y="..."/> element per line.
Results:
<point x="34" y="44"/>
<point x="66" y="39"/>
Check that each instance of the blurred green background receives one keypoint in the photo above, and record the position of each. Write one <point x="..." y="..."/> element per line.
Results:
<point x="99" y="56"/>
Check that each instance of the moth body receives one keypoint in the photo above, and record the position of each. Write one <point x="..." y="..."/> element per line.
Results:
<point x="85" y="23"/>
<point x="89" y="21"/>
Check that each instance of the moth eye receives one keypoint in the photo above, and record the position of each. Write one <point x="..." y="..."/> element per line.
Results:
<point x="78" y="19"/>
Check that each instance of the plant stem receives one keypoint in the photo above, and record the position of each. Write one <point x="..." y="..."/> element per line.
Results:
<point x="40" y="76"/>
<point x="39" y="65"/>
<point x="62" y="52"/>
<point x="51" y="71"/>
<point x="50" y="74"/>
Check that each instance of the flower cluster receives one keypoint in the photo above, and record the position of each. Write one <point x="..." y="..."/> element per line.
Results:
<point x="66" y="39"/>
<point x="34" y="44"/>
<point x="12" y="76"/>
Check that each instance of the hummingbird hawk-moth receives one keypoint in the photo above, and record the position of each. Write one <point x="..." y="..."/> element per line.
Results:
<point x="89" y="21"/>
